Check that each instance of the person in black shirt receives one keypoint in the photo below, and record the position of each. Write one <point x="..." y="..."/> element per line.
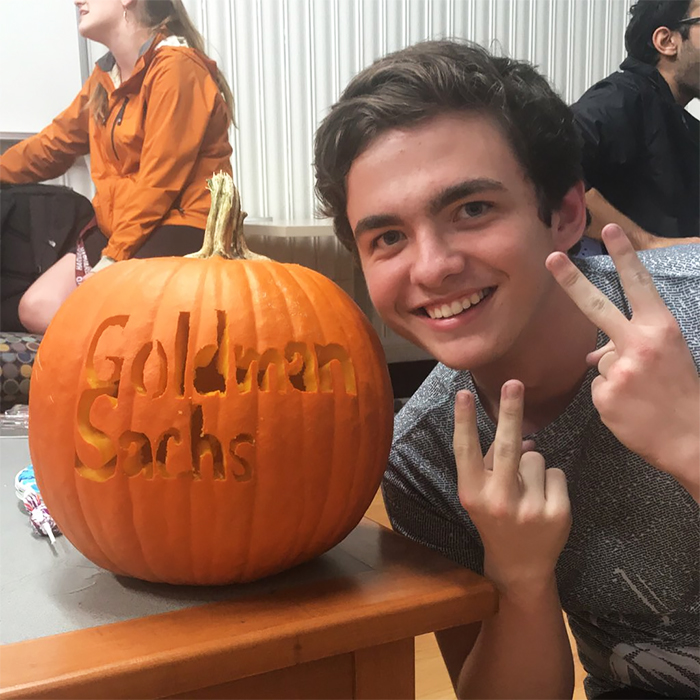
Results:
<point x="641" y="157"/>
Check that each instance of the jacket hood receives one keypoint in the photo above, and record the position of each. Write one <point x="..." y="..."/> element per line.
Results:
<point x="146" y="54"/>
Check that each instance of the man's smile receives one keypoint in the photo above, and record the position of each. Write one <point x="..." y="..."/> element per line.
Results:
<point x="447" y="308"/>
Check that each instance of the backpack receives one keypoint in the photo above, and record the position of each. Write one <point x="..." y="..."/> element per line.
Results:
<point x="38" y="225"/>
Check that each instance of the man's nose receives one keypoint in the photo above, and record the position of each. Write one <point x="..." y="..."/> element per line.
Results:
<point x="435" y="259"/>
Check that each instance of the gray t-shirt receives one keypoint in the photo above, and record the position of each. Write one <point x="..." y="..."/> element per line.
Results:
<point x="628" y="576"/>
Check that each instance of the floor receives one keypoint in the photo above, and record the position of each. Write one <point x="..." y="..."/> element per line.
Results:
<point x="432" y="681"/>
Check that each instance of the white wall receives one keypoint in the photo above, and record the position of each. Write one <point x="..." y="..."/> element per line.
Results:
<point x="40" y="63"/>
<point x="288" y="60"/>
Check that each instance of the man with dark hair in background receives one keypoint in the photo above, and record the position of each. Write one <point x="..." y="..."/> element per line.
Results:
<point x="641" y="153"/>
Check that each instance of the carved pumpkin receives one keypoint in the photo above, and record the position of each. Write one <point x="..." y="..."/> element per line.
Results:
<point x="208" y="420"/>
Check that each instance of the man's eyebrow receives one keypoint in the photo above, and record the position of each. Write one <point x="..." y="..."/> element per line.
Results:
<point x="461" y="190"/>
<point x="375" y="221"/>
<point x="443" y="199"/>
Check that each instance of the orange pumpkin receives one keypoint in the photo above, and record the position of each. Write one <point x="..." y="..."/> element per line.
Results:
<point x="208" y="420"/>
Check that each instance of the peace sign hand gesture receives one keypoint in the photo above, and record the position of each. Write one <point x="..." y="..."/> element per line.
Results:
<point x="648" y="391"/>
<point x="520" y="509"/>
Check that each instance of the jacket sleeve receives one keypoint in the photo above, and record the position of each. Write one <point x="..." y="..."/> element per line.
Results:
<point x="180" y="100"/>
<point x="607" y="120"/>
<point x="53" y="150"/>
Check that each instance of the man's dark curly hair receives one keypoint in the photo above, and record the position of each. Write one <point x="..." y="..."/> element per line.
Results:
<point x="646" y="16"/>
<point x="422" y="81"/>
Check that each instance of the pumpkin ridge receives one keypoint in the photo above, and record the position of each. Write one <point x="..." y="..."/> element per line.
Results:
<point x="143" y="524"/>
<point x="338" y="307"/>
<point x="381" y="386"/>
<point x="139" y="523"/>
<point x="242" y="289"/>
<point x="292" y="274"/>
<point x="46" y="482"/>
<point x="119" y="481"/>
<point x="210" y="565"/>
<point x="293" y="553"/>
<point x="172" y="506"/>
<point x="199" y="299"/>
<point x="304" y="533"/>
<point x="38" y="451"/>
<point x="265" y="276"/>
<point x="248" y="273"/>
<point x="223" y="558"/>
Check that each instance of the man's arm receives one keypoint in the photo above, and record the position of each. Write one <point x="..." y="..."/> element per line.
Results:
<point x="603" y="213"/>
<point x="523" y="651"/>
<point x="522" y="513"/>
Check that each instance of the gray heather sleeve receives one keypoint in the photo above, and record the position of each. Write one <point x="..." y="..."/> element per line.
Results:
<point x="420" y="484"/>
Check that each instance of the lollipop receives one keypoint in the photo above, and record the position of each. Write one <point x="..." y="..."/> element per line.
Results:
<point x="39" y="517"/>
<point x="28" y="492"/>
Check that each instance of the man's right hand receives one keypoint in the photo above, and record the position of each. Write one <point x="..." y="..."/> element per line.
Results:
<point x="659" y="242"/>
<point x="603" y="213"/>
<point x="520" y="509"/>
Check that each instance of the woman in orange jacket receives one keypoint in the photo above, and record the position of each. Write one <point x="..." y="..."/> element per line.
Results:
<point x="154" y="117"/>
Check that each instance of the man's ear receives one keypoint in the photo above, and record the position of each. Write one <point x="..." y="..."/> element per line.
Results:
<point x="569" y="221"/>
<point x="666" y="41"/>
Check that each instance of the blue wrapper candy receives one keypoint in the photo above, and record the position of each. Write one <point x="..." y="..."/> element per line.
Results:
<point x="25" y="482"/>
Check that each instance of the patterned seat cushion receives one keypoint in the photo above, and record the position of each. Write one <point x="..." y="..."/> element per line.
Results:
<point x="17" y="353"/>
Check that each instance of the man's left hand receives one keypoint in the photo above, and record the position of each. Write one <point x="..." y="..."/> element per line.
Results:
<point x="648" y="391"/>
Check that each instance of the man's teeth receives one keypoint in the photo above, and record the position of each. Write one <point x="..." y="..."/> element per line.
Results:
<point x="456" y="307"/>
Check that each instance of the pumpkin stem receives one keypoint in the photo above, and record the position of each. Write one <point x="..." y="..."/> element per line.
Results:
<point x="224" y="232"/>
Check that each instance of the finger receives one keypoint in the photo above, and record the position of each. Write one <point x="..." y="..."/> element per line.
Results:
<point x="532" y="475"/>
<point x="556" y="492"/>
<point x="526" y="446"/>
<point x="593" y="358"/>
<point x="636" y="280"/>
<point x="592" y="302"/>
<point x="509" y="432"/>
<point x="606" y="362"/>
<point x="465" y="441"/>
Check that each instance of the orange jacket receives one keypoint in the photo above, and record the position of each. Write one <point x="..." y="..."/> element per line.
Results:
<point x="166" y="132"/>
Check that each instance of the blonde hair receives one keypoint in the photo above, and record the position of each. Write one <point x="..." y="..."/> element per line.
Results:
<point x="168" y="17"/>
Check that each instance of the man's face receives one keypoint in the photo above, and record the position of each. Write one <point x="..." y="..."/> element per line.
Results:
<point x="450" y="241"/>
<point x="688" y="59"/>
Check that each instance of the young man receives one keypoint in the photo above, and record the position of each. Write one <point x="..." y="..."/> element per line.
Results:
<point x="641" y="148"/>
<point x="455" y="178"/>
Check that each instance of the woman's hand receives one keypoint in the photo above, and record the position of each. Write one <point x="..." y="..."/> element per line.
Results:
<point x="520" y="509"/>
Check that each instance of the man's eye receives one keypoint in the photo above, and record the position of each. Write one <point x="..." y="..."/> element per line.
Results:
<point x="388" y="238"/>
<point x="472" y="209"/>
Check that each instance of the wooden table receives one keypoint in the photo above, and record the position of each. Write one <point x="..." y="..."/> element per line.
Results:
<point x="342" y="626"/>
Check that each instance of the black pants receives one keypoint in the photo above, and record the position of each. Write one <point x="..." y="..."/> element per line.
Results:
<point x="164" y="241"/>
<point x="630" y="694"/>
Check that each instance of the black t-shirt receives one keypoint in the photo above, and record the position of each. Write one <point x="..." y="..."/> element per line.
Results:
<point x="641" y="150"/>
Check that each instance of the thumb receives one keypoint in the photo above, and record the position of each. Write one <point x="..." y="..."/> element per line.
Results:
<point x="593" y="358"/>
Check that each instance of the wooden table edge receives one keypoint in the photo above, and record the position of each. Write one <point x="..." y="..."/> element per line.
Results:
<point x="201" y="641"/>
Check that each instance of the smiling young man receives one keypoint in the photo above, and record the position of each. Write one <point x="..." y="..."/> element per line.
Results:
<point x="455" y="178"/>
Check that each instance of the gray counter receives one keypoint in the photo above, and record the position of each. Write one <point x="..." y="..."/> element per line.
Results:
<point x="46" y="590"/>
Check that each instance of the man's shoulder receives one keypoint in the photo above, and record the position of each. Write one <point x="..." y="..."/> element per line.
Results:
<point x="433" y="401"/>
<point x="675" y="272"/>
<point x="620" y="90"/>
<point x="678" y="264"/>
